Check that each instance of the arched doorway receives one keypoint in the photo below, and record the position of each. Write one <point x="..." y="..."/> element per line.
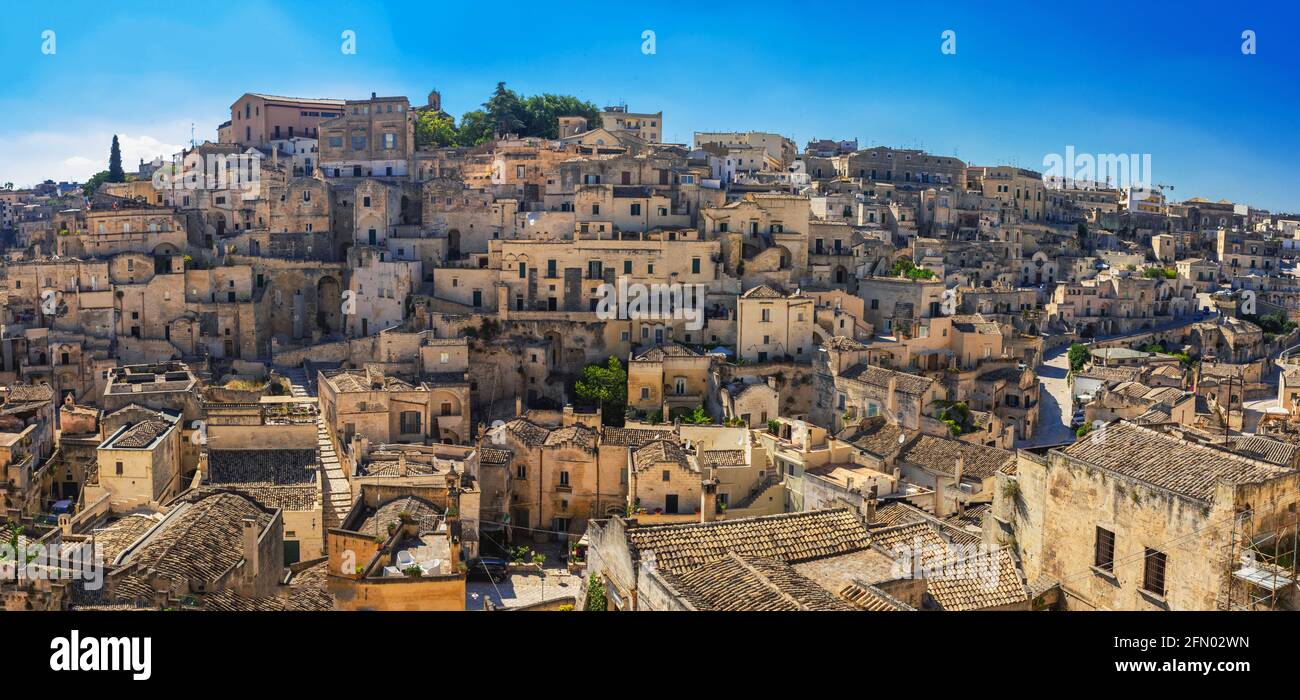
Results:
<point x="329" y="300"/>
<point x="453" y="244"/>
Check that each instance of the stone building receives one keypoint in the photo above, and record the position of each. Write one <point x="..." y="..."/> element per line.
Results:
<point x="370" y="138"/>
<point x="1131" y="518"/>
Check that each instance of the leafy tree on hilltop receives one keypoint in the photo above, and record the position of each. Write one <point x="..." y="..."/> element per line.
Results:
<point x="475" y="128"/>
<point x="542" y="113"/>
<point x="434" y="129"/>
<point x="115" y="172"/>
<point x="505" y="111"/>
<point x="89" y="186"/>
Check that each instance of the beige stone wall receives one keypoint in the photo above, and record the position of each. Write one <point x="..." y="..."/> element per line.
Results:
<point x="649" y="490"/>
<point x="771" y="328"/>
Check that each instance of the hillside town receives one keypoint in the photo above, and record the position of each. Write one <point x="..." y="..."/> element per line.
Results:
<point x="346" y="354"/>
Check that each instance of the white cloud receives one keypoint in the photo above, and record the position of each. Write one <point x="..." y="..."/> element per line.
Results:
<point x="76" y="153"/>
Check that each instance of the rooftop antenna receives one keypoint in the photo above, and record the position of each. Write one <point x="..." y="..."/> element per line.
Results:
<point x="192" y="143"/>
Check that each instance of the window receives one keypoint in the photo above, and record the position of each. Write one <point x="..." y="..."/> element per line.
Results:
<point x="695" y="266"/>
<point x="667" y="476"/>
<point x="1153" y="573"/>
<point x="1104" y="555"/>
<point x="636" y="210"/>
<point x="645" y="393"/>
<point x="119" y="468"/>
<point x="358" y="143"/>
<point x="410" y="422"/>
<point x="446" y="408"/>
<point x="521" y="472"/>
<point x="564" y="478"/>
<point x="390" y="141"/>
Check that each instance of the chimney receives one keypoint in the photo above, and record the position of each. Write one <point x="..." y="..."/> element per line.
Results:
<point x="892" y="399"/>
<point x="251" y="562"/>
<point x="708" y="500"/>
<point x="519" y="405"/>
<point x="401" y="464"/>
<point x="871" y="504"/>
<point x="938" y="496"/>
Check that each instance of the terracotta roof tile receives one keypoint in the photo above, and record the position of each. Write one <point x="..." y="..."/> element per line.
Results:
<point x="789" y="537"/>
<point x="736" y="583"/>
<point x="1168" y="462"/>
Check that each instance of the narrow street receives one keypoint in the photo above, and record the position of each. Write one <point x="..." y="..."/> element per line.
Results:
<point x="1054" y="406"/>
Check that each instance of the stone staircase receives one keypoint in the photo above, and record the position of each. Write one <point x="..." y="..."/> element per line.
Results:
<point x="298" y="381"/>
<point x="336" y="490"/>
<point x="763" y="491"/>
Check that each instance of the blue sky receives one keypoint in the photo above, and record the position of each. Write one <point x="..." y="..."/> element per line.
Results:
<point x="1028" y="79"/>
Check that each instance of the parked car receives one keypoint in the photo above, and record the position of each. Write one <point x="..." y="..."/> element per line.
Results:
<point x="487" y="569"/>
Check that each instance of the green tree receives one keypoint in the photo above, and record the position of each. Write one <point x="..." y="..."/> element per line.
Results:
<point x="696" y="417"/>
<point x="596" y="601"/>
<point x="906" y="268"/>
<point x="1081" y="232"/>
<point x="115" y="172"/>
<point x="434" y="129"/>
<point x="1078" y="356"/>
<point x="606" y="387"/>
<point x="89" y="186"/>
<point x="542" y="113"/>
<point x="505" y="111"/>
<point x="475" y="128"/>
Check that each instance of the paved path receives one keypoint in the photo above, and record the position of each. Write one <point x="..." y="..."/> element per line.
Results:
<point x="1055" y="405"/>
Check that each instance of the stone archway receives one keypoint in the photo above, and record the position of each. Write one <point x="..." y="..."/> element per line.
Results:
<point x="453" y="244"/>
<point x="329" y="301"/>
